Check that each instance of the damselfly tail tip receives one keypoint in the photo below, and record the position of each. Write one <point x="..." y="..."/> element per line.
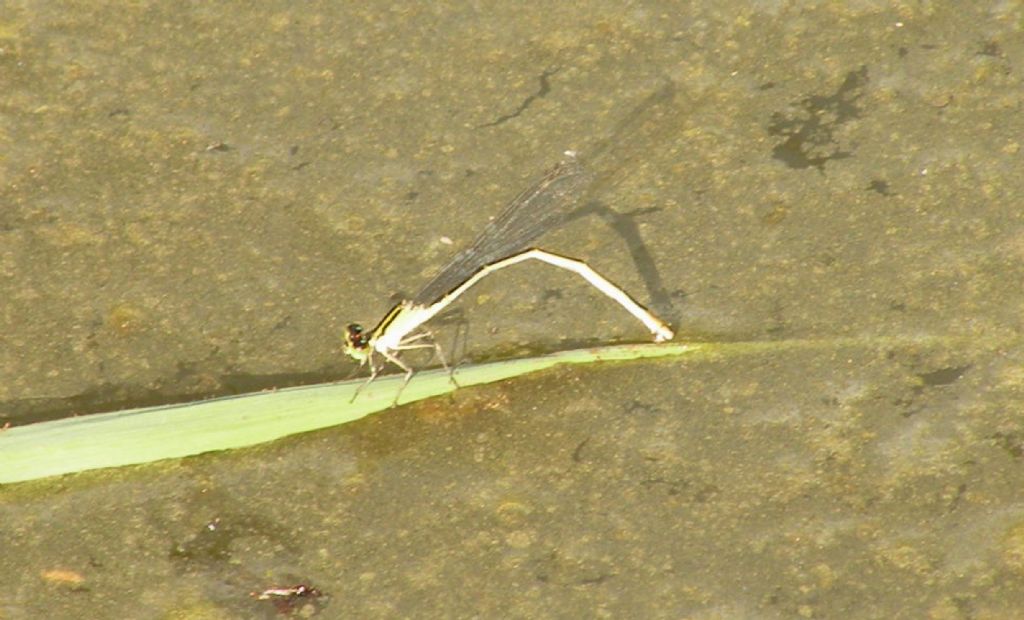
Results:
<point x="663" y="333"/>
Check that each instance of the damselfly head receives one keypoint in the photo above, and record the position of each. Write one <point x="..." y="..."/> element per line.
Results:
<point x="357" y="342"/>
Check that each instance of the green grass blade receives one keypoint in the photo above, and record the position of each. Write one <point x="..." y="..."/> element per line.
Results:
<point x="150" y="434"/>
